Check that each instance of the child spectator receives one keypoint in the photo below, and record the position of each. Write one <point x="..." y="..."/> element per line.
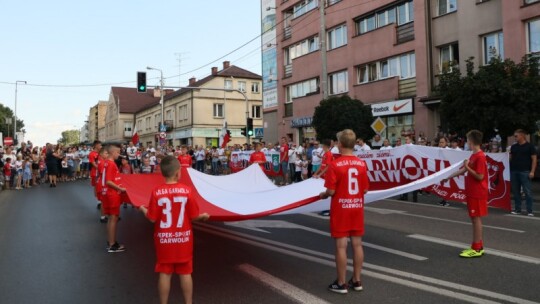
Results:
<point x="126" y="168"/>
<point x="145" y="167"/>
<point x="298" y="167"/>
<point x="347" y="182"/>
<point x="173" y="233"/>
<point x="258" y="156"/>
<point x="7" y="173"/>
<point x="27" y="172"/>
<point x="153" y="160"/>
<point x="111" y="200"/>
<point x="476" y="190"/>
<point x="65" y="169"/>
<point x="184" y="158"/>
<point x="101" y="159"/>
<point x="18" y="172"/>
<point x="327" y="158"/>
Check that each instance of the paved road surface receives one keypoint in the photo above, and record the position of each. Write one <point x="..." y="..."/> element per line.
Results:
<point x="53" y="251"/>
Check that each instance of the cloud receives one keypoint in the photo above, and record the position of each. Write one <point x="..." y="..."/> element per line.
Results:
<point x="41" y="133"/>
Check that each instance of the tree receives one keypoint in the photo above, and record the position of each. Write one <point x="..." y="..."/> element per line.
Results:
<point x="6" y="112"/>
<point x="503" y="95"/>
<point x="337" y="113"/>
<point x="70" y="137"/>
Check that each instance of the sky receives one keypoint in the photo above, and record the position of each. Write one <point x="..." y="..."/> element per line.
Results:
<point x="72" y="52"/>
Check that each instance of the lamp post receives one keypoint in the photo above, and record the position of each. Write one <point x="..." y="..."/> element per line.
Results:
<point x="160" y="95"/>
<point x="15" y="126"/>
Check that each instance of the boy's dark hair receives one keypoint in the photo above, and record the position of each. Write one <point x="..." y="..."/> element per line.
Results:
<point x="475" y="137"/>
<point x="169" y="166"/>
<point x="8" y="159"/>
<point x="96" y="142"/>
<point x="326" y="142"/>
<point x="521" y="131"/>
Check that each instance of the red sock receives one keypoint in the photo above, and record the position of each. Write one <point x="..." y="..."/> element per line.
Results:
<point x="477" y="246"/>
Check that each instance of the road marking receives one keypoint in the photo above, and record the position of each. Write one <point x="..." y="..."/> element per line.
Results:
<point x="383" y="211"/>
<point x="368" y="269"/>
<point x="499" y="253"/>
<point x="523" y="217"/>
<point x="290" y="291"/>
<point x="429" y="218"/>
<point x="256" y="225"/>
<point x="419" y="204"/>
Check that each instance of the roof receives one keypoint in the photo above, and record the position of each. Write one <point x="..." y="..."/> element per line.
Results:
<point x="231" y="71"/>
<point x="131" y="101"/>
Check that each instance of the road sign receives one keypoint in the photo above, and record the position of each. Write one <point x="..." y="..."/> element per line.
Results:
<point x="8" y="141"/>
<point x="162" y="128"/>
<point x="378" y="125"/>
<point x="162" y="135"/>
<point x="259" y="132"/>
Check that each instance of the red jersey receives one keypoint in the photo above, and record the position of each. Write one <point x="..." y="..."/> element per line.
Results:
<point x="185" y="160"/>
<point x="172" y="208"/>
<point x="7" y="169"/>
<point x="110" y="173"/>
<point x="347" y="176"/>
<point x="99" y="184"/>
<point x="126" y="169"/>
<point x="327" y="158"/>
<point x="473" y="187"/>
<point x="284" y="153"/>
<point x="93" y="157"/>
<point x="257" y="157"/>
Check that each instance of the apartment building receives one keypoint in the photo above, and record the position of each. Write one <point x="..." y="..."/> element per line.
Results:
<point x="196" y="116"/>
<point x="96" y="120"/>
<point x="388" y="54"/>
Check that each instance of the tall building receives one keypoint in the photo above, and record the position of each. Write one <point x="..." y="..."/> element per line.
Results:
<point x="388" y="54"/>
<point x="96" y="120"/>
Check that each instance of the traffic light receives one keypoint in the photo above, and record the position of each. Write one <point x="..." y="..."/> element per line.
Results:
<point x="141" y="82"/>
<point x="250" y="126"/>
<point x="243" y="131"/>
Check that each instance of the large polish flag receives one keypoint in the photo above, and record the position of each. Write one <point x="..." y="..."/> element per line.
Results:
<point x="225" y="135"/>
<point x="135" y="137"/>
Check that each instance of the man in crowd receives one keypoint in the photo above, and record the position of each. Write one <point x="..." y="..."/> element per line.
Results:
<point x="522" y="168"/>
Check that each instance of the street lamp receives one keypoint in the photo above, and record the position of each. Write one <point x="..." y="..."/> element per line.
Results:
<point x="15" y="127"/>
<point x="160" y="95"/>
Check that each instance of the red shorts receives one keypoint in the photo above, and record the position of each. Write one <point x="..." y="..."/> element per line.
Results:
<point x="178" y="268"/>
<point x="110" y="204"/>
<point x="342" y="234"/>
<point x="477" y="207"/>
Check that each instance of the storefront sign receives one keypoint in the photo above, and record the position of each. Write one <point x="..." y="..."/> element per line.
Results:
<point x="301" y="122"/>
<point x="403" y="106"/>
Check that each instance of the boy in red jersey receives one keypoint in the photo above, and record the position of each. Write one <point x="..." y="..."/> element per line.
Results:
<point x="93" y="160"/>
<point x="347" y="182"/>
<point x="7" y="173"/>
<point x="476" y="190"/>
<point x="172" y="209"/>
<point x="327" y="158"/>
<point x="111" y="189"/>
<point x="184" y="158"/>
<point x="102" y="157"/>
<point x="258" y="156"/>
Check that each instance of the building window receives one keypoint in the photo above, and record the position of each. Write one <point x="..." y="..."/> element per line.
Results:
<point x="254" y="87"/>
<point x="446" y="6"/>
<point x="337" y="37"/>
<point x="255" y="111"/>
<point x="242" y="86"/>
<point x="300" y="49"/>
<point x="182" y="113"/>
<point x="331" y="2"/>
<point x="301" y="89"/>
<point x="338" y="83"/>
<point x="228" y="84"/>
<point x="157" y="120"/>
<point x="128" y="126"/>
<point x="218" y="110"/>
<point x="403" y="66"/>
<point x="304" y="7"/>
<point x="168" y="115"/>
<point x="533" y="35"/>
<point x="449" y="57"/>
<point x="404" y="11"/>
<point x="493" y="47"/>
<point x="148" y="123"/>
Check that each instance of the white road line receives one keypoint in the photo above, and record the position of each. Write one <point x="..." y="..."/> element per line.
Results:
<point x="419" y="204"/>
<point x="523" y="217"/>
<point x="460" y="222"/>
<point x="328" y="260"/>
<point x="290" y="291"/>
<point x="499" y="253"/>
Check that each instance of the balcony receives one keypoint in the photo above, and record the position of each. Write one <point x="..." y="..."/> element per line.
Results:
<point x="287" y="33"/>
<point x="405" y="32"/>
<point x="407" y="87"/>
<point x="288" y="71"/>
<point x="288" y="110"/>
<point x="127" y="134"/>
<point x="169" y="124"/>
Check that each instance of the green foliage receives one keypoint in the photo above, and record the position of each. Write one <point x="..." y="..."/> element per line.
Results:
<point x="503" y="95"/>
<point x="6" y="112"/>
<point x="70" y="137"/>
<point x="337" y="113"/>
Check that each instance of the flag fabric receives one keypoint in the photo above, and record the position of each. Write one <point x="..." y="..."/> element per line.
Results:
<point x="135" y="137"/>
<point x="225" y="135"/>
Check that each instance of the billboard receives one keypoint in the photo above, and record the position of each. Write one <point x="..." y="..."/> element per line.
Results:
<point x="269" y="53"/>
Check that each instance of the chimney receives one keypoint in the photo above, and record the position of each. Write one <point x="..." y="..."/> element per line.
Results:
<point x="157" y="92"/>
<point x="214" y="71"/>
<point x="226" y="64"/>
<point x="192" y="81"/>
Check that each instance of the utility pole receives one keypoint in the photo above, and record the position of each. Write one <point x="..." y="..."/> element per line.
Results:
<point x="322" y="38"/>
<point x="15" y="127"/>
<point x="179" y="58"/>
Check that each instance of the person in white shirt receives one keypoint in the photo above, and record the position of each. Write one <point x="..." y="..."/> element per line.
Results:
<point x="335" y="149"/>
<point x="316" y="157"/>
<point x="455" y="145"/>
<point x="131" y="152"/>
<point x="200" y="156"/>
<point x="361" y="146"/>
<point x="292" y="162"/>
<point x="386" y="145"/>
<point x="377" y="142"/>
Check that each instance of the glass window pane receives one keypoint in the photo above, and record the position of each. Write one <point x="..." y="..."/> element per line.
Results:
<point x="442" y="7"/>
<point x="404" y="66"/>
<point x="391" y="15"/>
<point x="411" y="11"/>
<point x="381" y="19"/>
<point x="501" y="45"/>
<point x="412" y="65"/>
<point x="370" y="23"/>
<point x="490" y="48"/>
<point x="534" y="36"/>
<point x="384" y="69"/>
<point x="393" y="67"/>
<point x="362" y="74"/>
<point x="402" y="14"/>
<point x="373" y="72"/>
<point x="452" y="5"/>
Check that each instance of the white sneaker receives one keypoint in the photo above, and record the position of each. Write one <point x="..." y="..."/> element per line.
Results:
<point x="530" y="214"/>
<point x="515" y="212"/>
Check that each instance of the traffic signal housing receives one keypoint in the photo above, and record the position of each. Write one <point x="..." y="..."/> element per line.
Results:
<point x="250" y="127"/>
<point x="243" y="131"/>
<point x="141" y="82"/>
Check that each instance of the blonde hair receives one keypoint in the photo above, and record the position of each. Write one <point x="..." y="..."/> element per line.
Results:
<point x="347" y="138"/>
